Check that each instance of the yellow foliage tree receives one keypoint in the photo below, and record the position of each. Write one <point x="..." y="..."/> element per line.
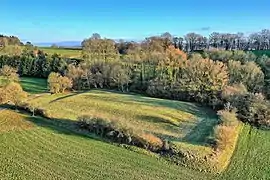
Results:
<point x="58" y="83"/>
<point x="13" y="93"/>
<point x="8" y="74"/>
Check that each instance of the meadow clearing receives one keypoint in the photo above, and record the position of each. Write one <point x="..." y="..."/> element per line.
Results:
<point x="68" y="53"/>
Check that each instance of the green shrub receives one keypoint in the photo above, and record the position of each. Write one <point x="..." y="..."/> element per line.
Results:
<point x="252" y="108"/>
<point x="250" y="74"/>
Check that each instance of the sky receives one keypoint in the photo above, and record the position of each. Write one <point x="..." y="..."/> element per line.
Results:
<point x="75" y="20"/>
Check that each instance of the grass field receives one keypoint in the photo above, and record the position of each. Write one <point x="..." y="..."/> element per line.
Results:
<point x="34" y="85"/>
<point x="261" y="52"/>
<point x="174" y="120"/>
<point x="251" y="159"/>
<point x="188" y="126"/>
<point x="39" y="149"/>
<point x="47" y="151"/>
<point x="69" y="53"/>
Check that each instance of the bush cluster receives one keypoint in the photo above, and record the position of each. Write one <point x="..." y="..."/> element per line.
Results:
<point x="225" y="132"/>
<point x="58" y="83"/>
<point x="117" y="132"/>
<point x="252" y="108"/>
<point x="10" y="90"/>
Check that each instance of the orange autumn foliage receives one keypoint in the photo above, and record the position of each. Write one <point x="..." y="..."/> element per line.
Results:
<point x="153" y="141"/>
<point x="175" y="53"/>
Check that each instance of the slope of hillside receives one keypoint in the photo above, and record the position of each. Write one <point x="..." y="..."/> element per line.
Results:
<point x="251" y="159"/>
<point x="38" y="149"/>
<point x="47" y="151"/>
<point x="173" y="120"/>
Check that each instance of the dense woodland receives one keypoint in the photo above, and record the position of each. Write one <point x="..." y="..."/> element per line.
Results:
<point x="219" y="75"/>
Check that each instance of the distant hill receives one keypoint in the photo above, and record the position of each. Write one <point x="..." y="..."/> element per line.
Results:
<point x="62" y="44"/>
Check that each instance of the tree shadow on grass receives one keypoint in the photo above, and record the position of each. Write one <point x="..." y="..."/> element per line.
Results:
<point x="58" y="126"/>
<point x="132" y="98"/>
<point x="202" y="133"/>
<point x="194" y="132"/>
<point x="34" y="85"/>
<point x="61" y="126"/>
<point x="189" y="131"/>
<point x="67" y="96"/>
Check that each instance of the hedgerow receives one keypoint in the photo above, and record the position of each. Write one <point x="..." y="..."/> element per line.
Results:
<point x="119" y="132"/>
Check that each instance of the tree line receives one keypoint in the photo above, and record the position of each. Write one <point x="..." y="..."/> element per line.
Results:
<point x="197" y="42"/>
<point x="35" y="63"/>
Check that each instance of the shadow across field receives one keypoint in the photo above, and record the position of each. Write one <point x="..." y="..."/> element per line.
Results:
<point x="175" y="127"/>
<point x="34" y="85"/>
<point x="130" y="98"/>
<point x="201" y="133"/>
<point x="61" y="126"/>
<point x="66" y="96"/>
<point x="156" y="119"/>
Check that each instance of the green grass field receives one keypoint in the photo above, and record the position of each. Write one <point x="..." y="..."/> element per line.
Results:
<point x="261" y="52"/>
<point x="34" y="85"/>
<point x="174" y="120"/>
<point x="47" y="151"/>
<point x="39" y="149"/>
<point x="188" y="126"/>
<point x="69" y="53"/>
<point x="251" y="159"/>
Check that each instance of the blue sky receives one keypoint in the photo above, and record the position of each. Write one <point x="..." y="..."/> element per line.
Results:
<point x="65" y="20"/>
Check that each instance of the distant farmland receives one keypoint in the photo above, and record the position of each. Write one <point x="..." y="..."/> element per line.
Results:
<point x="66" y="52"/>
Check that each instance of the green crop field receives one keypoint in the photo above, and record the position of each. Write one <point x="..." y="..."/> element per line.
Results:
<point x="251" y="159"/>
<point x="69" y="53"/>
<point x="40" y="149"/>
<point x="46" y="151"/>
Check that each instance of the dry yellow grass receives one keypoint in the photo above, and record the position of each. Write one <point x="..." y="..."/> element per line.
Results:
<point x="12" y="121"/>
